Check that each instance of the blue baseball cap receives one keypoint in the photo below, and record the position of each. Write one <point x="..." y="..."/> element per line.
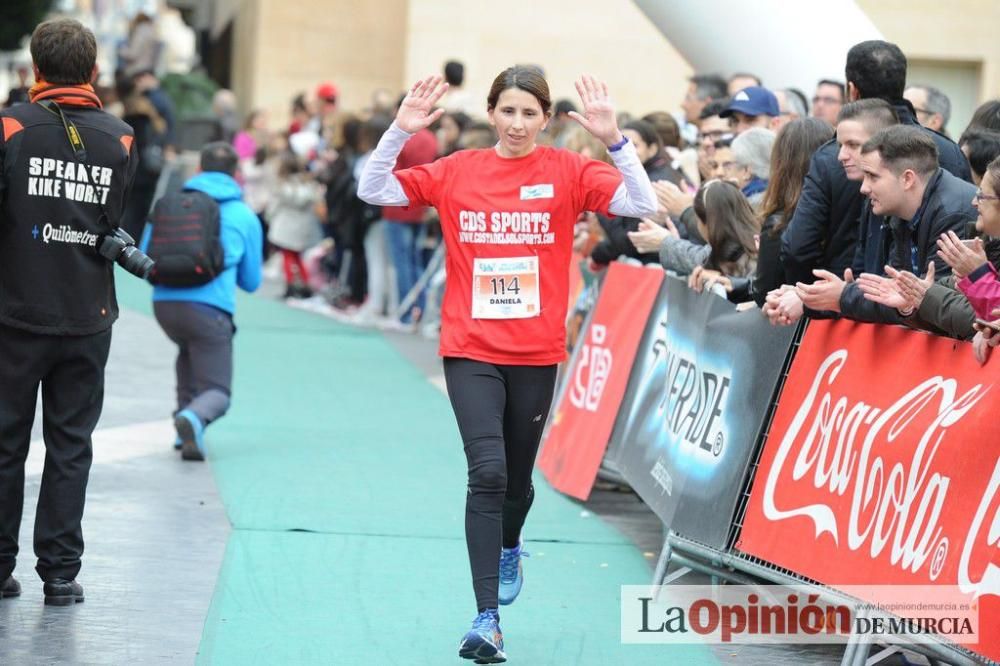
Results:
<point x="753" y="101"/>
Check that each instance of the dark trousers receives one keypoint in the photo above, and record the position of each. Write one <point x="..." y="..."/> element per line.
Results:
<point x="501" y="411"/>
<point x="70" y="370"/>
<point x="204" y="366"/>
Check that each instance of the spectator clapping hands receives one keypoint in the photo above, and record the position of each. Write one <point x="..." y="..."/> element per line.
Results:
<point x="962" y="258"/>
<point x="671" y="198"/>
<point x="650" y="235"/>
<point x="901" y="289"/>
<point x="824" y="293"/>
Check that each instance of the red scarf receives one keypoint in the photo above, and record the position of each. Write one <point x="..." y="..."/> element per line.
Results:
<point x="79" y="95"/>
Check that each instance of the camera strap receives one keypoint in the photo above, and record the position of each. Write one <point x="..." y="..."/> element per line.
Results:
<point x="76" y="142"/>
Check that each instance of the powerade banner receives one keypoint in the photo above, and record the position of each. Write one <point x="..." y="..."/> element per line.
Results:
<point x="595" y="382"/>
<point x="882" y="467"/>
<point x="695" y="406"/>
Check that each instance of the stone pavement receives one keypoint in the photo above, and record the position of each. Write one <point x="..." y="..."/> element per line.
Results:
<point x="155" y="530"/>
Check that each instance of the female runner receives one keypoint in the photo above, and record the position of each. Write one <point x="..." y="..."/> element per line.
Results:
<point x="507" y="215"/>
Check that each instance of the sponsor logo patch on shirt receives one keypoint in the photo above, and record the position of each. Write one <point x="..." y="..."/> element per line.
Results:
<point x="536" y="192"/>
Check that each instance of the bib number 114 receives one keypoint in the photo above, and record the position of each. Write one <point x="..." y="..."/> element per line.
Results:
<point x="505" y="288"/>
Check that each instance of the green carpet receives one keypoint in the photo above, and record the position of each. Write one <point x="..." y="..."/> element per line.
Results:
<point x="342" y="472"/>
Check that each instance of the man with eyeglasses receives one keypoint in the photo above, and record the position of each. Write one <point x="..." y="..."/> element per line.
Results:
<point x="931" y="106"/>
<point x="712" y="128"/>
<point x="827" y="101"/>
<point x="703" y="90"/>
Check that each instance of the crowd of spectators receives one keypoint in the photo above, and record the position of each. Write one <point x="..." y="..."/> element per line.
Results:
<point x="852" y="203"/>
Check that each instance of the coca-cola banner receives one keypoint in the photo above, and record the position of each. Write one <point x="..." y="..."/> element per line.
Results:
<point x="695" y="406"/>
<point x="882" y="466"/>
<point x="595" y="382"/>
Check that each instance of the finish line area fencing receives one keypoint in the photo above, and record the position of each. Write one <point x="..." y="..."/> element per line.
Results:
<point x="835" y="454"/>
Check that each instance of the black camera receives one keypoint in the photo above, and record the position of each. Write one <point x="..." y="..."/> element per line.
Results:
<point x="120" y="247"/>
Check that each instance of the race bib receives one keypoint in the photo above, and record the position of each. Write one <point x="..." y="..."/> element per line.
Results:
<point x="543" y="191"/>
<point x="505" y="288"/>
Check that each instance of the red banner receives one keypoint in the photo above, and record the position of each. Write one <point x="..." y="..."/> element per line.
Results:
<point x="882" y="467"/>
<point x="585" y="414"/>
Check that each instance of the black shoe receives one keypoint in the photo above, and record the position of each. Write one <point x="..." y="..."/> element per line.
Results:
<point x="62" y="592"/>
<point x="10" y="588"/>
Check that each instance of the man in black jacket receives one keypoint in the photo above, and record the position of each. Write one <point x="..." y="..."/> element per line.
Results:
<point x="911" y="202"/>
<point x="66" y="168"/>
<point x="823" y="233"/>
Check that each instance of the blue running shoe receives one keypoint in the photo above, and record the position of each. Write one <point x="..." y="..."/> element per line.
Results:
<point x="191" y="433"/>
<point x="484" y="642"/>
<point x="511" y="576"/>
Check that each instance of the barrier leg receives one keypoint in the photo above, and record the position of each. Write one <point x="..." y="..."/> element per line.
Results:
<point x="852" y="644"/>
<point x="675" y="574"/>
<point x="862" y="648"/>
<point x="408" y="299"/>
<point x="660" y="576"/>
<point x="883" y="654"/>
<point x="663" y="562"/>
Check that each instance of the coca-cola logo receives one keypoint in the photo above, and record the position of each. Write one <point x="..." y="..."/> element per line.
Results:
<point x="841" y="447"/>
<point x="983" y="531"/>
<point x="592" y="371"/>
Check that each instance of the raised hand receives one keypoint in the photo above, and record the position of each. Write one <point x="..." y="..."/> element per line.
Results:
<point x="824" y="293"/>
<point x="649" y="237"/>
<point x="912" y="287"/>
<point x="672" y="198"/>
<point x="417" y="109"/>
<point x="962" y="259"/>
<point x="884" y="291"/>
<point x="598" y="116"/>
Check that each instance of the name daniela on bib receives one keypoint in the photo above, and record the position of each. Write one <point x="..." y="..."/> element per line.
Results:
<point x="505" y="288"/>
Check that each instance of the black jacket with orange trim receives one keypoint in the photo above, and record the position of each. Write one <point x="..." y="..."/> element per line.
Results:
<point x="53" y="210"/>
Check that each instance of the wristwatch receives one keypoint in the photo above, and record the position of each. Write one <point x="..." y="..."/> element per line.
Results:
<point x="614" y="148"/>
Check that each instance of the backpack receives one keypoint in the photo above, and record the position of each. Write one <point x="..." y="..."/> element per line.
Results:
<point x="185" y="243"/>
<point x="347" y="215"/>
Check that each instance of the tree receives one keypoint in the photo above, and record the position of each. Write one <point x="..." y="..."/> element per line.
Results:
<point x="19" y="18"/>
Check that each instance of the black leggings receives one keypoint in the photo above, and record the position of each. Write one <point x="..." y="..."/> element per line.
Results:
<point x="501" y="411"/>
